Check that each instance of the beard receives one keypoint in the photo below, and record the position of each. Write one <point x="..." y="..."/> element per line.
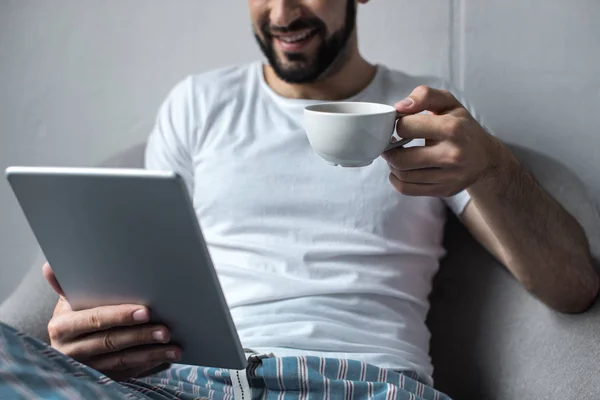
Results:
<point x="307" y="68"/>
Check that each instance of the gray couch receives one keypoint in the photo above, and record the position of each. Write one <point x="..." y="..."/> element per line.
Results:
<point x="490" y="339"/>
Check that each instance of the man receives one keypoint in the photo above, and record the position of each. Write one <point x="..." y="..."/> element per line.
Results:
<point x="327" y="269"/>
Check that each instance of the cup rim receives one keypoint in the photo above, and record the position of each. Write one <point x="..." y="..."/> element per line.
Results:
<point x="313" y="108"/>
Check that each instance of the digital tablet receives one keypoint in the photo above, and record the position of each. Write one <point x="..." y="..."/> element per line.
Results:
<point x="129" y="236"/>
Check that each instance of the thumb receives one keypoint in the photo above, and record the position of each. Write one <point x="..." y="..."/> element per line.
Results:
<point x="62" y="305"/>
<point x="51" y="278"/>
<point x="429" y="99"/>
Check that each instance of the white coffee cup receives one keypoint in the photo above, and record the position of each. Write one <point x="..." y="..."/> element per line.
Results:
<point x="351" y="134"/>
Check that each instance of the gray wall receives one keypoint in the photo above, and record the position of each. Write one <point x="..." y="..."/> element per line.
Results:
<point x="81" y="79"/>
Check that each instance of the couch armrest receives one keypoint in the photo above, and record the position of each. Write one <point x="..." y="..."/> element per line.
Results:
<point x="30" y="306"/>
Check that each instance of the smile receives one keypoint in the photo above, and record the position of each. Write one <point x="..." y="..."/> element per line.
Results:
<point x="296" y="37"/>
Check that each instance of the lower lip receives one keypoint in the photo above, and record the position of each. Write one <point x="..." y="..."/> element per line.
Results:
<point x="296" y="46"/>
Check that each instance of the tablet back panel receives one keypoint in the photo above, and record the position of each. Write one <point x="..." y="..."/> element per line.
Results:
<point x="117" y="236"/>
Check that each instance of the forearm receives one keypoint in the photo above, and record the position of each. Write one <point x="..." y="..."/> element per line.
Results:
<point x="542" y="245"/>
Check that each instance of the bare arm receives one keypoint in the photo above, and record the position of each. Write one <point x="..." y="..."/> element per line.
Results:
<point x="542" y="245"/>
<point x="538" y="241"/>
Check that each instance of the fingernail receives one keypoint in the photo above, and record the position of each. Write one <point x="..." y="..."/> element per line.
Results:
<point x="407" y="102"/>
<point x="171" y="355"/>
<point x="159" y="336"/>
<point x="141" y="315"/>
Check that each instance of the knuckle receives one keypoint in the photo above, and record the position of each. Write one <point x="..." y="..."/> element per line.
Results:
<point x="423" y="91"/>
<point x="394" y="162"/>
<point x="109" y="343"/>
<point x="448" y="94"/>
<point x="55" y="328"/>
<point x="95" y="320"/>
<point x="401" y="175"/>
<point x="455" y="156"/>
<point x="396" y="183"/>
<point x="121" y="362"/>
<point x="393" y="166"/>
<point x="452" y="127"/>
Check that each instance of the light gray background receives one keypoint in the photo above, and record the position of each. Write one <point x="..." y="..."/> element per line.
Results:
<point x="81" y="79"/>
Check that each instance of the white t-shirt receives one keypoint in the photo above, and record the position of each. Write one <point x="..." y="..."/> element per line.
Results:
<point x="313" y="259"/>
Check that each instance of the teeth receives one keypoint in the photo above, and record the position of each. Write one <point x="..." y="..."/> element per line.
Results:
<point x="297" y="38"/>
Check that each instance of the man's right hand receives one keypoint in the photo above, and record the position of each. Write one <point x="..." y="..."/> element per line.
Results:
<point x="115" y="340"/>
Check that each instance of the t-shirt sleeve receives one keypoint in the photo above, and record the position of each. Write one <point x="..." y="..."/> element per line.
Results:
<point x="169" y="144"/>
<point x="459" y="202"/>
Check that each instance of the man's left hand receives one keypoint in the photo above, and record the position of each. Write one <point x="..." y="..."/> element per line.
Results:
<point x="457" y="151"/>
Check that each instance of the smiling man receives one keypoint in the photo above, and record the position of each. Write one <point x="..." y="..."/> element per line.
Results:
<point x="326" y="270"/>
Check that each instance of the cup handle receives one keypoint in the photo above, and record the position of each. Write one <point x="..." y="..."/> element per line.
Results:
<point x="400" y="142"/>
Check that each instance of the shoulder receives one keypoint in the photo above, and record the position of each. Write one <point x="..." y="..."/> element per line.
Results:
<point x="210" y="86"/>
<point x="226" y="81"/>
<point x="398" y="79"/>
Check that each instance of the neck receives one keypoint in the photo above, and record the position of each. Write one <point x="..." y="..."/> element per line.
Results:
<point x="347" y="80"/>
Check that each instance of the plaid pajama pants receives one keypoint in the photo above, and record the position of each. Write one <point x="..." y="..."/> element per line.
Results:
<point x="29" y="369"/>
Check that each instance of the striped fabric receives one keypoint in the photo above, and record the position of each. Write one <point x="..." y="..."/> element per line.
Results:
<point x="29" y="369"/>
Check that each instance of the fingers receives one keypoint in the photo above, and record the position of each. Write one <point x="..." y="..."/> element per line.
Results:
<point x="417" y="157"/>
<point x="423" y="127"/>
<point x="430" y="127"/>
<point x="424" y="98"/>
<point x="71" y="325"/>
<point x="435" y="176"/>
<point x="421" y="189"/>
<point x="138" y="358"/>
<point x="114" y="340"/>
<point x="51" y="278"/>
<point x="62" y="305"/>
<point x="110" y="339"/>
